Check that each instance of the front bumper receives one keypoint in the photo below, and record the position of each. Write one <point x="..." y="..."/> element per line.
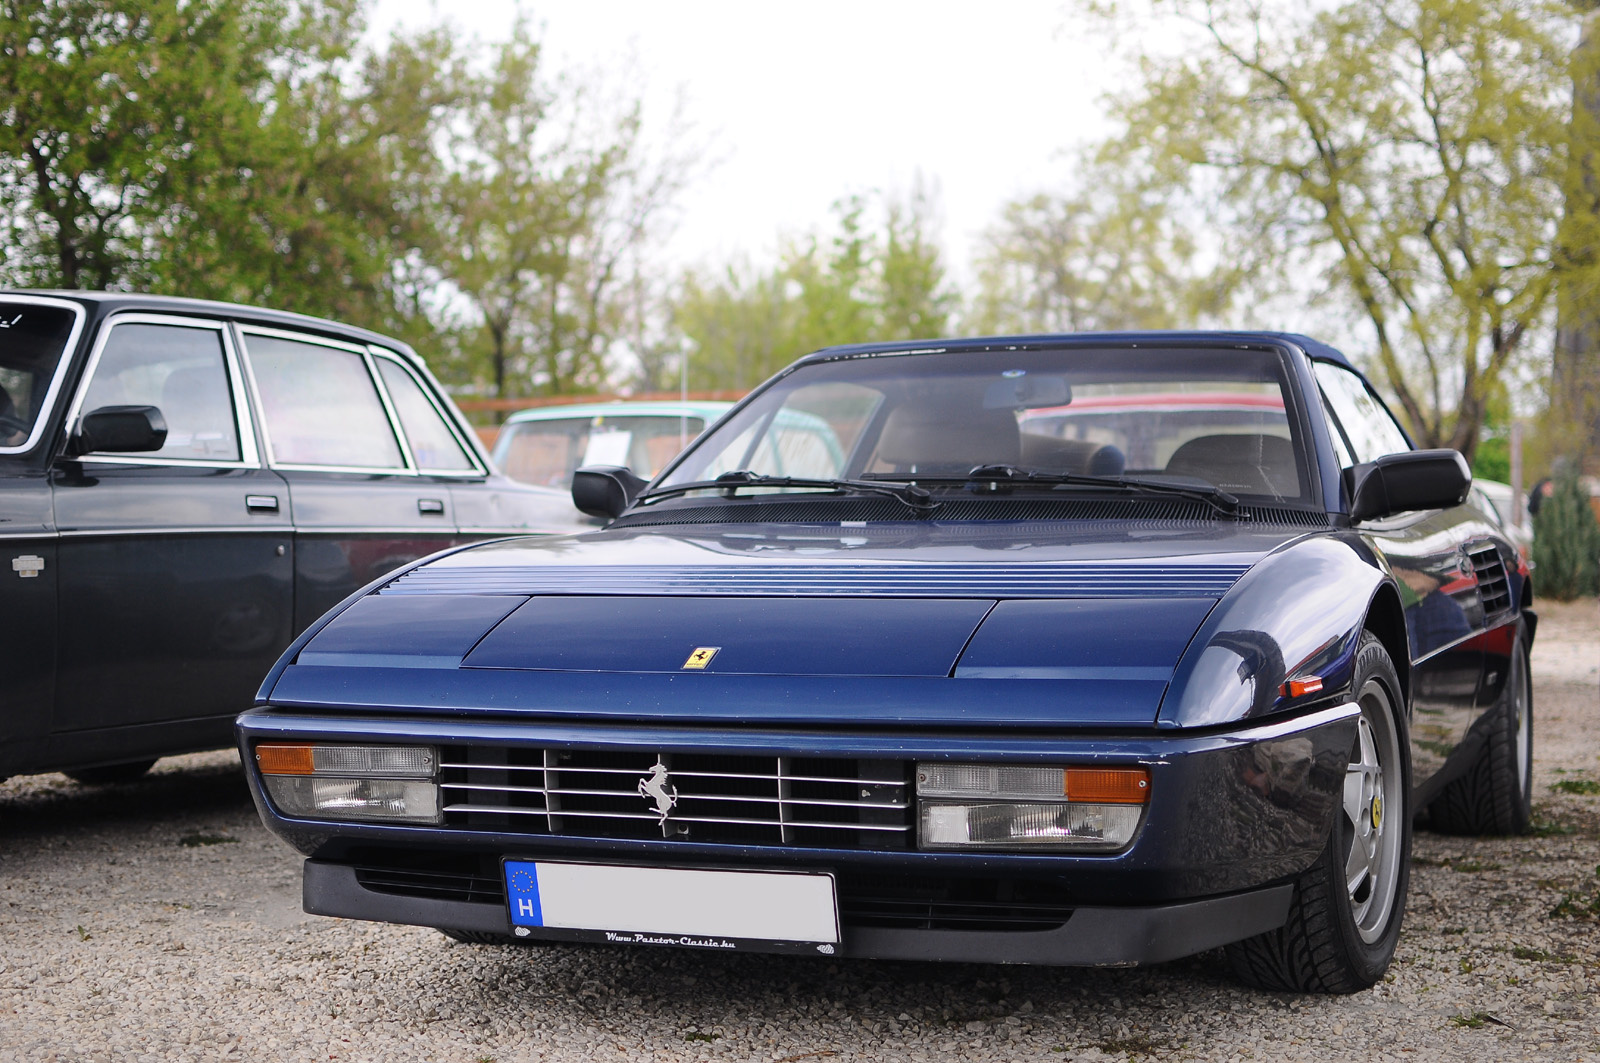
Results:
<point x="1091" y="936"/>
<point x="1233" y="817"/>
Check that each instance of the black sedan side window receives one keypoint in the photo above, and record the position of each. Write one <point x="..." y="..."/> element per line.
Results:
<point x="433" y="445"/>
<point x="182" y="372"/>
<point x="320" y="404"/>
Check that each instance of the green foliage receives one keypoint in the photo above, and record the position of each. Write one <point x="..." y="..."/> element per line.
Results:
<point x="1492" y="459"/>
<point x="1566" y="542"/>
<point x="1103" y="258"/>
<point x="862" y="283"/>
<point x="541" y="217"/>
<point x="1411" y="154"/>
<point x="255" y="150"/>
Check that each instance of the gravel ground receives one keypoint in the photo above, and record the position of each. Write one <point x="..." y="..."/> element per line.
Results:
<point x="159" y="921"/>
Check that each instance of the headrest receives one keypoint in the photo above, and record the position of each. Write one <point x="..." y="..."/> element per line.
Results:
<point x="1254" y="463"/>
<point x="921" y="438"/>
<point x="1051" y="454"/>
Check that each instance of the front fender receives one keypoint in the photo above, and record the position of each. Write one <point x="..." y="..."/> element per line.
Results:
<point x="1297" y="613"/>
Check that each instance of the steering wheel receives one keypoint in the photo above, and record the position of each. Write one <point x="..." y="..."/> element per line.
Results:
<point x="10" y="424"/>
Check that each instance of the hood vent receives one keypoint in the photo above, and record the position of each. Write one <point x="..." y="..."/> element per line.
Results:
<point x="1494" y="589"/>
<point x="1127" y="579"/>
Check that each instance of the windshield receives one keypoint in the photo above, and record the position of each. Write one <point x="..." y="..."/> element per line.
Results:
<point x="33" y="338"/>
<point x="1215" y="418"/>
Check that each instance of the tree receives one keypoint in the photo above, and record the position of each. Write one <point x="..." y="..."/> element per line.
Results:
<point x="108" y="106"/>
<point x="1102" y="258"/>
<point x="878" y="276"/>
<point x="236" y="150"/>
<point x="551" y="198"/>
<point x="1411" y="152"/>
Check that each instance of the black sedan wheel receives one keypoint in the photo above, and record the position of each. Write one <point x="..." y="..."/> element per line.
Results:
<point x="1495" y="794"/>
<point x="1344" y="921"/>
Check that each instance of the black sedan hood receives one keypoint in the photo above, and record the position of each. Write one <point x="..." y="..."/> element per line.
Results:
<point x="881" y="625"/>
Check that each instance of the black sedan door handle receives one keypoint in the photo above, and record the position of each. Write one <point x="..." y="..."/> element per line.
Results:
<point x="268" y="503"/>
<point x="433" y="506"/>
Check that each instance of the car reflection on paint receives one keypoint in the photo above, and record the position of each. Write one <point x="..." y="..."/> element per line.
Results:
<point x="1098" y="650"/>
<point x="186" y="485"/>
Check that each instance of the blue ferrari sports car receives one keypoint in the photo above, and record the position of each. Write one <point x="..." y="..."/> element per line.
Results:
<point x="1090" y="649"/>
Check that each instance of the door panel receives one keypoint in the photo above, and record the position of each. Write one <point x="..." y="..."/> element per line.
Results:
<point x="175" y="566"/>
<point x="351" y="528"/>
<point x="175" y="594"/>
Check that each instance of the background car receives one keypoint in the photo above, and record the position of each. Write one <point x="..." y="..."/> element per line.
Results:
<point x="186" y="485"/>
<point x="1100" y="650"/>
<point x="1500" y="502"/>
<point x="545" y="446"/>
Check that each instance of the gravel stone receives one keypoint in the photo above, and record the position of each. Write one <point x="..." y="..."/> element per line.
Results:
<point x="159" y="921"/>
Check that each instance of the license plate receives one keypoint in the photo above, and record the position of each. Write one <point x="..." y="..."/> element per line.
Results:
<point x="759" y="911"/>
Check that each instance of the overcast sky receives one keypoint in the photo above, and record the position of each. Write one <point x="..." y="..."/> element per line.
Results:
<point x="802" y="104"/>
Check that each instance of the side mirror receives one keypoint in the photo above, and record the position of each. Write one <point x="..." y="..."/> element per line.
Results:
<point x="1410" y="480"/>
<point x="605" y="490"/>
<point x="120" y="429"/>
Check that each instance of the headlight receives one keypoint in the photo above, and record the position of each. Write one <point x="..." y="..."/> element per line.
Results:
<point x="381" y="783"/>
<point x="997" y="806"/>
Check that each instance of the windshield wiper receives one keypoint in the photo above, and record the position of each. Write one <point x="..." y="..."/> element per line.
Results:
<point x="729" y="483"/>
<point x="996" y="475"/>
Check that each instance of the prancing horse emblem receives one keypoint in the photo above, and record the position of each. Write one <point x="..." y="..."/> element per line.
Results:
<point x="659" y="790"/>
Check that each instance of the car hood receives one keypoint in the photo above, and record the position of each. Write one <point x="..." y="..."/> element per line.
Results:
<point x="878" y="626"/>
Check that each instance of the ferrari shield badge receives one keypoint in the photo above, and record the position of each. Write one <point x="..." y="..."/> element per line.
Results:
<point x="700" y="658"/>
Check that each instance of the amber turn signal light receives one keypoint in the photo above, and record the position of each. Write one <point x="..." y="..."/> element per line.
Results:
<point x="1298" y="688"/>
<point x="282" y="759"/>
<point x="1108" y="786"/>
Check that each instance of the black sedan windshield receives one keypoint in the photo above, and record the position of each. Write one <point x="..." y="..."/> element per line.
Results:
<point x="1216" y="418"/>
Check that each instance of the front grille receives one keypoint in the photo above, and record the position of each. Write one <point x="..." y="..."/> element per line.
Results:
<point x="1493" y="587"/>
<point x="898" y="902"/>
<point x="818" y="802"/>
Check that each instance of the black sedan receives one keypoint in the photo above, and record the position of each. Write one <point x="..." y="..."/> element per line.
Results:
<point x="184" y="486"/>
<point x="1100" y="649"/>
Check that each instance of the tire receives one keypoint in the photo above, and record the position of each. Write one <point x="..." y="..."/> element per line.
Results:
<point x="1344" y="920"/>
<point x="1495" y="794"/>
<point x="107" y="774"/>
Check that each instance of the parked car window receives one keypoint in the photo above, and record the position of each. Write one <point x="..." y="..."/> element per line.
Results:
<point x="31" y="344"/>
<point x="547" y="451"/>
<point x="433" y="445"/>
<point x="1371" y="431"/>
<point x="321" y="405"/>
<point x="180" y="370"/>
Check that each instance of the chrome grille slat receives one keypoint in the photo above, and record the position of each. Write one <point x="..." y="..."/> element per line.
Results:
<point x="730" y="797"/>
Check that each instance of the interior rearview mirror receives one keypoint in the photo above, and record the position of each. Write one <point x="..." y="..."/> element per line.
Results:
<point x="605" y="490"/>
<point x="120" y="429"/>
<point x="1409" y="480"/>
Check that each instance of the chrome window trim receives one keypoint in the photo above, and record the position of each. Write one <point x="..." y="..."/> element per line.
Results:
<point x="243" y="422"/>
<point x="246" y="331"/>
<point x="361" y="470"/>
<point x="393" y="414"/>
<point x="410" y="531"/>
<point x="431" y="391"/>
<point x="221" y="529"/>
<point x="69" y="350"/>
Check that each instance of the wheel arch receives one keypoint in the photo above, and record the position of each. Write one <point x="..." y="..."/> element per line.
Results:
<point x="1386" y="619"/>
